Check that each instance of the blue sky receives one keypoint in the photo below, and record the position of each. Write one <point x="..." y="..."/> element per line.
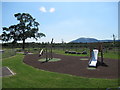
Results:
<point x="67" y="20"/>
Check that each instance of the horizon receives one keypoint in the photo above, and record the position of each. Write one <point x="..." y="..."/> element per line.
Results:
<point x="70" y="41"/>
<point x="67" y="21"/>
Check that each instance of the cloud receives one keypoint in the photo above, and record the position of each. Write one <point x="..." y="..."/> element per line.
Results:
<point x="43" y="9"/>
<point x="52" y="10"/>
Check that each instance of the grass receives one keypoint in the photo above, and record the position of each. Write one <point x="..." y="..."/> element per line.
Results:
<point x="51" y="60"/>
<point x="109" y="54"/>
<point x="84" y="58"/>
<point x="8" y="53"/>
<point x="91" y="68"/>
<point x="60" y="51"/>
<point x="29" y="77"/>
<point x="31" y="50"/>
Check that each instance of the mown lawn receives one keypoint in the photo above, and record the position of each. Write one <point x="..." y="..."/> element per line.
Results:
<point x="60" y="51"/>
<point x="8" y="53"/>
<point x="29" y="77"/>
<point x="111" y="55"/>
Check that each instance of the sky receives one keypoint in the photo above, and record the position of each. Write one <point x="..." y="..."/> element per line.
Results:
<point x="66" y="21"/>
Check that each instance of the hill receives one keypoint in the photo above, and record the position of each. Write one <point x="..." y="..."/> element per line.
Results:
<point x="89" y="40"/>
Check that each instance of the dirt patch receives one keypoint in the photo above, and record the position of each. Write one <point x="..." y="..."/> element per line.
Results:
<point x="74" y="66"/>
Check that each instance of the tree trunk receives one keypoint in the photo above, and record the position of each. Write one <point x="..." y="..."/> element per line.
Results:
<point x="23" y="47"/>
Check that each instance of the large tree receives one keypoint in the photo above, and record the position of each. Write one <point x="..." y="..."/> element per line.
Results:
<point x="26" y="28"/>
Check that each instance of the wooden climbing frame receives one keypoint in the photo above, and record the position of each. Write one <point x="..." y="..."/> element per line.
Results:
<point x="48" y="51"/>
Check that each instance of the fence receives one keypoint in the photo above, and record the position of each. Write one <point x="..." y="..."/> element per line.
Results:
<point x="8" y="53"/>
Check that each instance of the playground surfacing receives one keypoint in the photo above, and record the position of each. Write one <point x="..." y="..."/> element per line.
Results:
<point x="74" y="66"/>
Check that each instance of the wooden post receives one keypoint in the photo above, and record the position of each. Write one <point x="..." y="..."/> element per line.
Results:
<point x="90" y="52"/>
<point x="46" y="55"/>
<point x="101" y="53"/>
<point x="51" y="49"/>
<point x="48" y="51"/>
<point x="91" y="49"/>
<point x="51" y="53"/>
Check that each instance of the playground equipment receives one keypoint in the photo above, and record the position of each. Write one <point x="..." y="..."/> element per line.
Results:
<point x="48" y="51"/>
<point x="41" y="52"/>
<point x="93" y="60"/>
<point x="94" y="49"/>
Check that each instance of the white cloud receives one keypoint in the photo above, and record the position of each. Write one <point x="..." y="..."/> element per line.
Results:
<point x="43" y="9"/>
<point x="52" y="10"/>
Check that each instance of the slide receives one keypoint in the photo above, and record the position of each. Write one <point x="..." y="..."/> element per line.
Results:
<point x="41" y="52"/>
<point x="93" y="60"/>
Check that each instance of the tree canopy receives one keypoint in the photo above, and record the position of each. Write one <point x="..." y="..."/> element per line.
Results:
<point x="26" y="28"/>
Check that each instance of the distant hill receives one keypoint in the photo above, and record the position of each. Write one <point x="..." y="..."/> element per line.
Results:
<point x="105" y="40"/>
<point x="84" y="40"/>
<point x="89" y="40"/>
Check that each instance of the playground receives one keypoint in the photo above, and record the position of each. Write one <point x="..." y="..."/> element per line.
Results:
<point x="64" y="70"/>
<point x="91" y="67"/>
<point x="65" y="44"/>
<point x="57" y="67"/>
<point x="73" y="65"/>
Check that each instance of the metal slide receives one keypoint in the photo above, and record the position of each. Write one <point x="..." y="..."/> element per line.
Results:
<point x="41" y="52"/>
<point x="93" y="60"/>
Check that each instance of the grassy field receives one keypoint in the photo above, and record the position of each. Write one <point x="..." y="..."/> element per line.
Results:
<point x="29" y="77"/>
<point x="8" y="53"/>
<point x="109" y="54"/>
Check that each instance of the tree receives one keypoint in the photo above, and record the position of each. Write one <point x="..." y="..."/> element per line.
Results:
<point x="26" y="28"/>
